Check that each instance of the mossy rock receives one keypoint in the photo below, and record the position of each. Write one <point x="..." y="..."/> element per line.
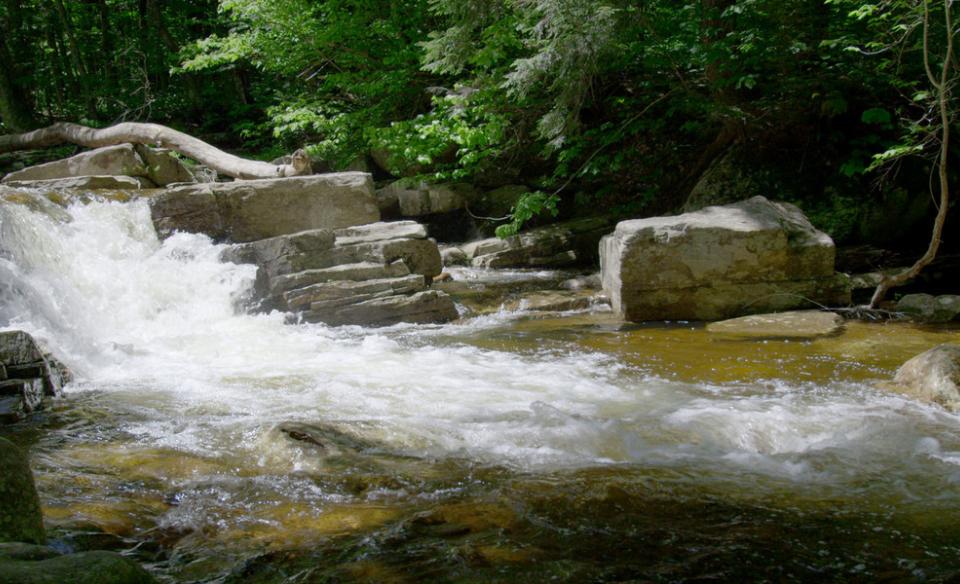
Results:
<point x="83" y="568"/>
<point x="20" y="516"/>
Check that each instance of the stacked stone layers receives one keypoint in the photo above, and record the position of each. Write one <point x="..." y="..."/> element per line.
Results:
<point x="720" y="262"/>
<point x="554" y="246"/>
<point x="321" y="251"/>
<point x="27" y="376"/>
<point x="375" y="274"/>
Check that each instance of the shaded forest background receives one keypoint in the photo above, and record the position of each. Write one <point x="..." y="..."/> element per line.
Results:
<point x="631" y="108"/>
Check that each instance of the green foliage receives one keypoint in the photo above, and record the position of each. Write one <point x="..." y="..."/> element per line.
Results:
<point x="528" y="206"/>
<point x="456" y="139"/>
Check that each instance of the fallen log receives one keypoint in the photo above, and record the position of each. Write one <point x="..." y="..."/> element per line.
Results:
<point x="158" y="135"/>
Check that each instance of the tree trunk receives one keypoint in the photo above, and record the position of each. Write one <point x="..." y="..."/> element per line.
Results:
<point x="941" y="87"/>
<point x="185" y="144"/>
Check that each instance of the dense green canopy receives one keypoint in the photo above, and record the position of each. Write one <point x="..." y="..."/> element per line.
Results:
<point x="620" y="105"/>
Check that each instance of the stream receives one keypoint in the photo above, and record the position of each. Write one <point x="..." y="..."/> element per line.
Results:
<point x="217" y="446"/>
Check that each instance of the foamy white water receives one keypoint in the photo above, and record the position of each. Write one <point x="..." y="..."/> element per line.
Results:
<point x="155" y="328"/>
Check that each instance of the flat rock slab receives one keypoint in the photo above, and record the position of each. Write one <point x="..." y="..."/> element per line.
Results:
<point x="380" y="232"/>
<point x="120" y="160"/>
<point x="87" y="183"/>
<point x="556" y="301"/>
<point x="249" y="210"/>
<point x="799" y="324"/>
<point x="430" y="306"/>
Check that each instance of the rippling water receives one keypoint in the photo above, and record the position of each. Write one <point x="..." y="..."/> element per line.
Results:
<point x="223" y="446"/>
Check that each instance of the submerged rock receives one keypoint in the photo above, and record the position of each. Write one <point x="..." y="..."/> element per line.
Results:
<point x="556" y="301"/>
<point x="97" y="567"/>
<point x="750" y="257"/>
<point x="800" y="324"/>
<point x="20" y="516"/>
<point x="927" y="308"/>
<point x="932" y="376"/>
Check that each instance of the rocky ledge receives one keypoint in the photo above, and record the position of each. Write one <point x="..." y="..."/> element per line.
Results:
<point x="27" y="376"/>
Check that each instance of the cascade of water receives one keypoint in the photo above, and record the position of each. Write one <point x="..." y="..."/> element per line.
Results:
<point x="154" y="326"/>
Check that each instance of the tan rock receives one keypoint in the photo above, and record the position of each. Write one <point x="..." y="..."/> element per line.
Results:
<point x="799" y="324"/>
<point x="932" y="376"/>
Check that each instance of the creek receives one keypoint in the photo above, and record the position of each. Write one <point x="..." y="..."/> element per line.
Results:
<point x="218" y="446"/>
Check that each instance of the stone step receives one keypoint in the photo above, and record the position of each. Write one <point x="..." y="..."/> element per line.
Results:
<point x="356" y="271"/>
<point x="337" y="293"/>
<point x="380" y="232"/>
<point x="430" y="306"/>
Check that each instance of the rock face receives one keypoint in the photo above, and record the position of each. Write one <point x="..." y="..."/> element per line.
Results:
<point x="553" y="246"/>
<point x="27" y="376"/>
<point x="158" y="166"/>
<point x="23" y="560"/>
<point x="927" y="308"/>
<point x="251" y="210"/>
<point x="932" y="376"/>
<point x="416" y="199"/>
<point x="750" y="257"/>
<point x="799" y="324"/>
<point x="375" y="274"/>
<point x="20" y="516"/>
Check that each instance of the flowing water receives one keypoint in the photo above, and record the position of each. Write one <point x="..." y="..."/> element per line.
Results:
<point x="215" y="446"/>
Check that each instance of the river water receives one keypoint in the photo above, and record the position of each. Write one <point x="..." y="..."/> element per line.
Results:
<point x="215" y="446"/>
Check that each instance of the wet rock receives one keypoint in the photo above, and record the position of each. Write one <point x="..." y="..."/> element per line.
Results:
<point x="34" y="202"/>
<point x="98" y="567"/>
<point x="27" y="376"/>
<point x="453" y="256"/>
<point x="927" y="308"/>
<point x="120" y="160"/>
<point x="590" y="282"/>
<point x="932" y="376"/>
<point x="20" y="516"/>
<point x="750" y="257"/>
<point x="555" y="301"/>
<point x="334" y="276"/>
<point x="430" y="306"/>
<point x="101" y="182"/>
<point x="250" y="210"/>
<point x="560" y="245"/>
<point x="327" y="295"/>
<point x="800" y="324"/>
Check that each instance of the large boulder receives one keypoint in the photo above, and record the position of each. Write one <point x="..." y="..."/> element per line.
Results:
<point x="20" y="516"/>
<point x="119" y="160"/>
<point x="249" y="210"/>
<point x="720" y="262"/>
<point x="148" y="166"/>
<point x="932" y="376"/>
